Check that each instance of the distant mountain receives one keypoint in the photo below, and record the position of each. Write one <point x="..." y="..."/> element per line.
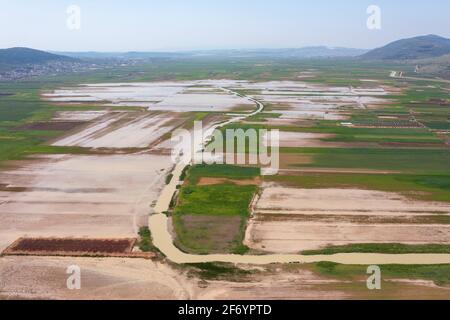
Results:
<point x="24" y="56"/>
<point x="119" y="55"/>
<point x="24" y="63"/>
<point x="306" y="52"/>
<point x="413" y="48"/>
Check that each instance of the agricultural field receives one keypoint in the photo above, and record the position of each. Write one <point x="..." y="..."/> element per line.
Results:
<point x="213" y="208"/>
<point x="374" y="177"/>
<point x="72" y="247"/>
<point x="364" y="168"/>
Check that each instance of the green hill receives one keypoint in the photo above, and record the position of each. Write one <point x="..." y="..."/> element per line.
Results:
<point x="22" y="56"/>
<point x="422" y="47"/>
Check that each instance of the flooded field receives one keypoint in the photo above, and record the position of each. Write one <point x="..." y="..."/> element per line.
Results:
<point x="122" y="185"/>
<point x="289" y="220"/>
<point x="71" y="195"/>
<point x="163" y="96"/>
<point x="300" y="100"/>
<point x="123" y="130"/>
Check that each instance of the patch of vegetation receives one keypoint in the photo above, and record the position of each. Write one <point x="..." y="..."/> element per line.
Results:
<point x="145" y="241"/>
<point x="439" y="274"/>
<point x="184" y="173"/>
<point x="241" y="249"/>
<point x="24" y="106"/>
<point x="169" y="178"/>
<point x="204" y="213"/>
<point x="208" y="234"/>
<point x="386" y="248"/>
<point x="217" y="271"/>
<point x="420" y="161"/>
<point x="222" y="200"/>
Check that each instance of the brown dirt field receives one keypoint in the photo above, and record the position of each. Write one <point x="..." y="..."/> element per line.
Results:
<point x="353" y="219"/>
<point x="290" y="220"/>
<point x="205" y="181"/>
<point x="338" y="201"/>
<point x="289" y="160"/>
<point x="304" y="139"/>
<point x="70" y="245"/>
<point x="123" y="279"/>
<point x="293" y="236"/>
<point x="317" y="140"/>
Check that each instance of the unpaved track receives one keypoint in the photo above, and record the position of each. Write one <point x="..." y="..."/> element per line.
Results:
<point x="162" y="239"/>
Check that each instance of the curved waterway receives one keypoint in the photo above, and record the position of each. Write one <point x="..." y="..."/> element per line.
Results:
<point x="162" y="239"/>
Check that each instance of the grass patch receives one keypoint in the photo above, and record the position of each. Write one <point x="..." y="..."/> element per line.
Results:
<point x="216" y="271"/>
<point x="439" y="274"/>
<point x="209" y="234"/>
<point x="169" y="178"/>
<point x="213" y="219"/>
<point x="385" y="248"/>
<point x="221" y="200"/>
<point x="184" y="173"/>
<point x="423" y="161"/>
<point x="145" y="242"/>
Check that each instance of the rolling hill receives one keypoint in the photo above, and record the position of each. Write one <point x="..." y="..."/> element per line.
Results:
<point x="23" y="56"/>
<point x="422" y="47"/>
<point x="304" y="52"/>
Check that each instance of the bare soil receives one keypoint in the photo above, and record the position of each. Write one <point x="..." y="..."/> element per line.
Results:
<point x="290" y="220"/>
<point x="69" y="246"/>
<point x="205" y="181"/>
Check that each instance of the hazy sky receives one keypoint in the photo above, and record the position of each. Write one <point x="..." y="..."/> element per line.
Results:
<point x="138" y="25"/>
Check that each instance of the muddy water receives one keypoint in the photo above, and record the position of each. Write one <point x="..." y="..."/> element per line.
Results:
<point x="162" y="239"/>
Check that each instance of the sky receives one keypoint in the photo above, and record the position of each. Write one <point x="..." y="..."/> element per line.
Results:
<point x="176" y="25"/>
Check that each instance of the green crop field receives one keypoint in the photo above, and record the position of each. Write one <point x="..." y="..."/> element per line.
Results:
<point x="439" y="274"/>
<point x="213" y="218"/>
<point x="418" y="161"/>
<point x="23" y="105"/>
<point x="386" y="248"/>
<point x="221" y="200"/>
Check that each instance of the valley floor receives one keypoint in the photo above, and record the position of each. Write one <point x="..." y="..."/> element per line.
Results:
<point x="356" y="172"/>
